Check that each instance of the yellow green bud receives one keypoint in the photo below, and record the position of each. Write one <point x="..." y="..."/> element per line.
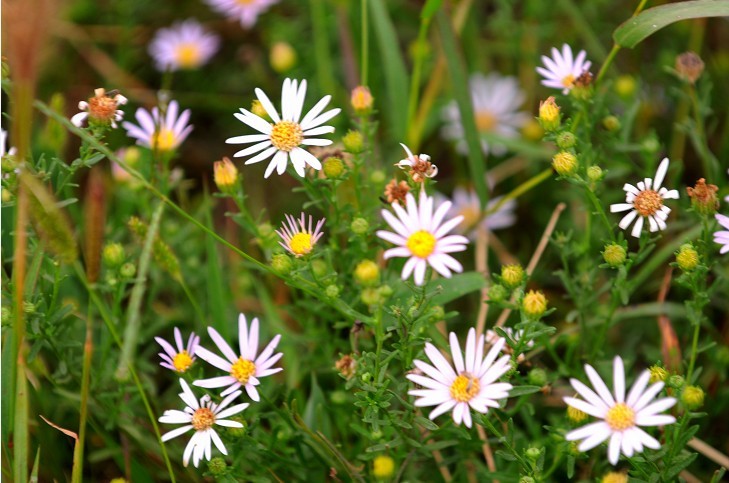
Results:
<point x="594" y="173"/>
<point x="575" y="415"/>
<point x="383" y="467"/>
<point x="564" y="163"/>
<point x="353" y="142"/>
<point x="512" y="275"/>
<point x="367" y="273"/>
<point x="281" y="264"/>
<point x="282" y="57"/>
<point x="692" y="397"/>
<point x="332" y="291"/>
<point x="217" y="466"/>
<point x="625" y="86"/>
<point x="614" y="254"/>
<point x="657" y="374"/>
<point x="359" y="226"/>
<point x="498" y="293"/>
<point x="333" y="167"/>
<point x="128" y="270"/>
<point x="687" y="257"/>
<point x="534" y="304"/>
<point x="549" y="116"/>
<point x="566" y="140"/>
<point x="611" y="123"/>
<point x="113" y="254"/>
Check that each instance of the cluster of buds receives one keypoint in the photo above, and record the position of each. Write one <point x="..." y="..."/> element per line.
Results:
<point x="101" y="110"/>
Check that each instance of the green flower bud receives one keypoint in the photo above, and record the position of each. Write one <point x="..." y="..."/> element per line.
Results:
<point x="594" y="173"/>
<point x="533" y="453"/>
<point x="237" y="432"/>
<point x="370" y="296"/>
<point x="692" y="397"/>
<point x="128" y="270"/>
<point x="353" y="142"/>
<point x="378" y="177"/>
<point x="566" y="140"/>
<point x="687" y="257"/>
<point x="319" y="267"/>
<point x="338" y="397"/>
<point x="359" y="226"/>
<point x="537" y="377"/>
<point x="113" y="254"/>
<point x="498" y="293"/>
<point x="676" y="382"/>
<point x="611" y="123"/>
<point x="217" y="466"/>
<point x="332" y="291"/>
<point x="512" y="275"/>
<point x="281" y="264"/>
<point x="385" y="292"/>
<point x="565" y="163"/>
<point x="333" y="167"/>
<point x="614" y="254"/>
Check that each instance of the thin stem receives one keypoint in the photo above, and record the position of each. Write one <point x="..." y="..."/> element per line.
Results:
<point x="601" y="211"/>
<point x="365" y="43"/>
<point x="616" y="48"/>
<point x="78" y="451"/>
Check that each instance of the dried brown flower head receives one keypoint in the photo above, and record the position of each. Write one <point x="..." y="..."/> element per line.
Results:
<point x="396" y="191"/>
<point x="689" y="66"/>
<point x="703" y="197"/>
<point x="346" y="366"/>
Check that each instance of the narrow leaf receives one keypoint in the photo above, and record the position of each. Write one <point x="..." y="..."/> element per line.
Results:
<point x="456" y="286"/>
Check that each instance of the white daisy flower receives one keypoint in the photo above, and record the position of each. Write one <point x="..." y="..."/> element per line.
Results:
<point x="496" y="101"/>
<point x="419" y="167"/>
<point x="492" y="338"/>
<point x="201" y="416"/>
<point x="180" y="359"/>
<point x="563" y="69"/>
<point x="472" y="385"/>
<point x="722" y="236"/>
<point x="621" y="416"/>
<point x="157" y="132"/>
<point x="245" y="11"/>
<point x="467" y="204"/>
<point x="299" y="241"/>
<point x="288" y="131"/>
<point x="100" y="109"/>
<point x="421" y="235"/>
<point x="244" y="369"/>
<point x="646" y="200"/>
<point x="185" y="45"/>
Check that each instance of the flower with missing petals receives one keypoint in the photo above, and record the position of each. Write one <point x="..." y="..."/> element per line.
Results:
<point x="421" y="235"/>
<point x="722" y="236"/>
<point x="465" y="385"/>
<point x="563" y="70"/>
<point x="299" y="241"/>
<point x="160" y="132"/>
<point x="646" y="200"/>
<point x="621" y="416"/>
<point x="419" y="166"/>
<point x="283" y="138"/>
<point x="202" y="416"/>
<point x="185" y="45"/>
<point x="180" y="359"/>
<point x="244" y="369"/>
<point x="102" y="109"/>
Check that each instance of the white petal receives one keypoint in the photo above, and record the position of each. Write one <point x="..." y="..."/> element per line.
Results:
<point x="619" y="379"/>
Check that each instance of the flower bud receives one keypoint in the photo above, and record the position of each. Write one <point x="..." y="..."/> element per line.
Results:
<point x="611" y="123"/>
<point x="532" y="130"/>
<point x="332" y="291"/>
<point x="575" y="415"/>
<point x="615" y="477"/>
<point x="367" y="273"/>
<point x="128" y="270"/>
<point x="217" y="466"/>
<point x="512" y="275"/>
<point x="675" y="381"/>
<point x="658" y="374"/>
<point x="353" y="142"/>
<point x="338" y="397"/>
<point x="538" y="377"/>
<point x="362" y="100"/>
<point x="346" y="366"/>
<point x="370" y="296"/>
<point x="113" y="254"/>
<point x="594" y="173"/>
<point x="237" y="432"/>
<point x="258" y="109"/>
<point x="566" y="140"/>
<point x="265" y="230"/>
<point x="497" y="293"/>
<point x="564" y="163"/>
<point x="692" y="397"/>
<point x="282" y="57"/>
<point x="333" y="167"/>
<point x="281" y="264"/>
<point x="614" y="254"/>
<point x="319" y="267"/>
<point x="359" y="226"/>
<point x="534" y="304"/>
<point x="625" y="86"/>
<point x="533" y="453"/>
<point x="225" y="175"/>
<point x="383" y="467"/>
<point x="689" y="66"/>
<point x="549" y="116"/>
<point x="526" y="479"/>
<point x="687" y="257"/>
<point x="703" y="197"/>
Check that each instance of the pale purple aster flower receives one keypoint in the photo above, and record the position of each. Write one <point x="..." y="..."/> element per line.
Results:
<point x="201" y="416"/>
<point x="244" y="369"/>
<point x="722" y="236"/>
<point x="184" y="45"/>
<point x="181" y="358"/>
<point x="562" y="70"/>
<point x="299" y="241"/>
<point x="467" y="204"/>
<point x="621" y="417"/>
<point x="245" y="11"/>
<point x="496" y="102"/>
<point x="157" y="132"/>
<point x="465" y="385"/>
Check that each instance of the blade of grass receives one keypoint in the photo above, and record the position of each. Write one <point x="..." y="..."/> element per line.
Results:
<point x="459" y="79"/>
<point x="324" y="65"/>
<point x="218" y="302"/>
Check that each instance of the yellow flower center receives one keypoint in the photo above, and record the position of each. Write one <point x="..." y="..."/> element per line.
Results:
<point x="102" y="108"/>
<point x="300" y="244"/>
<point x="568" y="81"/>
<point x="485" y="121"/>
<point x="188" y="55"/>
<point x="163" y="140"/>
<point x="244" y="2"/>
<point x="421" y="244"/>
<point x="203" y="419"/>
<point x="182" y="361"/>
<point x="465" y="387"/>
<point x="242" y="370"/>
<point x="647" y="202"/>
<point x="286" y="135"/>
<point x="620" y="417"/>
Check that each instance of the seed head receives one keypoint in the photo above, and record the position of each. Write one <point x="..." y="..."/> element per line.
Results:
<point x="703" y="197"/>
<point x="689" y="66"/>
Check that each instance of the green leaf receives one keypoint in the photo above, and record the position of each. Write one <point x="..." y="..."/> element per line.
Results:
<point x="393" y="65"/>
<point x="456" y="286"/>
<point x="426" y="423"/>
<point x="522" y="390"/>
<point x="430" y="8"/>
<point x="634" y="30"/>
<point x="505" y="455"/>
<point x="462" y="92"/>
<point x="679" y="464"/>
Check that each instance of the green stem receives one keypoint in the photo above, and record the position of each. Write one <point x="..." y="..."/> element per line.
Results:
<point x="135" y="301"/>
<point x="601" y="211"/>
<point x="365" y="42"/>
<point x="616" y="48"/>
<point x="78" y="451"/>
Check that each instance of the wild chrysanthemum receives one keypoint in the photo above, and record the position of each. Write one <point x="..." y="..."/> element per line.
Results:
<point x="467" y="204"/>
<point x="244" y="369"/>
<point x="102" y="108"/>
<point x="472" y="385"/>
<point x="621" y="417"/>
<point x="421" y="235"/>
<point x="722" y="236"/>
<point x="419" y="167"/>
<point x="202" y="416"/>
<point x="496" y="101"/>
<point x="157" y="132"/>
<point x="282" y="138"/>
<point x="562" y="70"/>
<point x="185" y="45"/>
<point x="245" y="11"/>
<point x="180" y="359"/>
<point x="646" y="200"/>
<point x="300" y="240"/>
